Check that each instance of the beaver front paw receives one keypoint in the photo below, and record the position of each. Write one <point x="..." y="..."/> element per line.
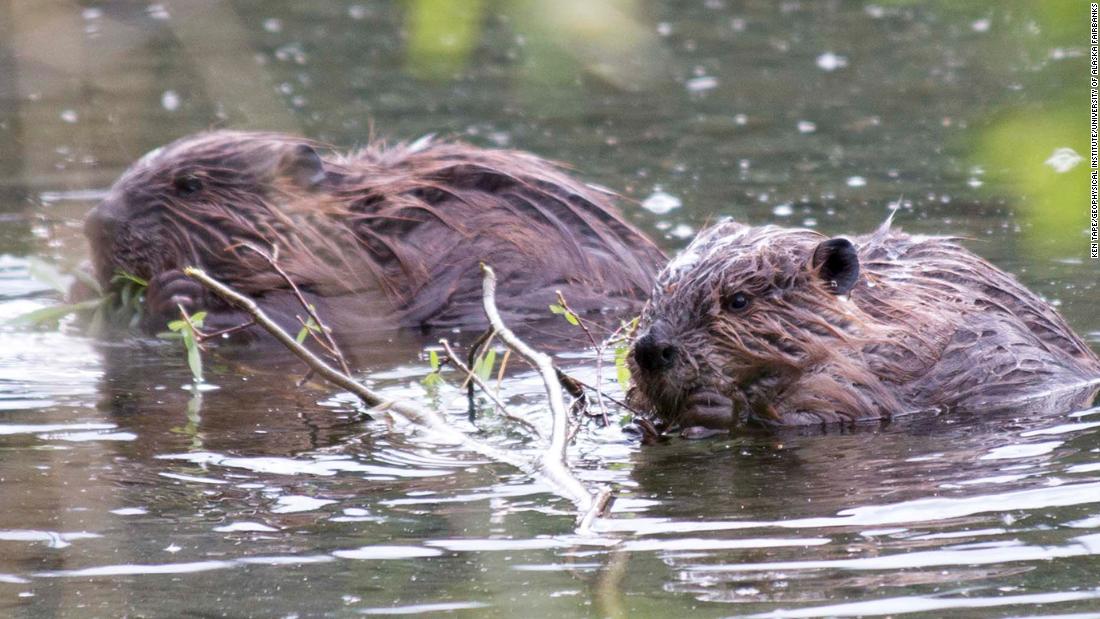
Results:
<point x="167" y="293"/>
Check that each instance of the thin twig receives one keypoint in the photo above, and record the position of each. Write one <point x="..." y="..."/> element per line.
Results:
<point x="273" y="260"/>
<point x="613" y="399"/>
<point x="554" y="458"/>
<point x="599" y="352"/>
<point x="471" y="376"/>
<point x="202" y="336"/>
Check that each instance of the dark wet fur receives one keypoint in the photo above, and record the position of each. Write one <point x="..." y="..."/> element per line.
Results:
<point x="928" y="325"/>
<point x="380" y="238"/>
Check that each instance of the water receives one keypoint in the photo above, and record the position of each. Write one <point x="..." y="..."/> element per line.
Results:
<point x="124" y="493"/>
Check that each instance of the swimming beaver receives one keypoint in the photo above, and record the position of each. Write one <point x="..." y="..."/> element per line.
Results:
<point x="768" y="326"/>
<point x="379" y="238"/>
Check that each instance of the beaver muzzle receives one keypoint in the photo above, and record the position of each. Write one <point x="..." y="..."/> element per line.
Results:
<point x="655" y="351"/>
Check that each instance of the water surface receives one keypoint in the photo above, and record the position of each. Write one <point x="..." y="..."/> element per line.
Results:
<point x="125" y="492"/>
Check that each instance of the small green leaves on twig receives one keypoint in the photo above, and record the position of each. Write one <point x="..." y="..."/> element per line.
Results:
<point x="483" y="367"/>
<point x="188" y="328"/>
<point x="622" y="371"/>
<point x="434" y="378"/>
<point x="569" y="316"/>
<point x="310" y="326"/>
<point x="119" y="306"/>
<point x="621" y="339"/>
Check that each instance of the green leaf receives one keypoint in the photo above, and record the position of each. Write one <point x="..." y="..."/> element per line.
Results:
<point x="433" y="359"/>
<point x="569" y="316"/>
<point x="197" y="319"/>
<point x="177" y="325"/>
<point x="311" y="325"/>
<point x="49" y="316"/>
<point x="194" y="358"/>
<point x="49" y="274"/>
<point x="622" y="370"/>
<point x="484" y="366"/>
<point x="122" y="276"/>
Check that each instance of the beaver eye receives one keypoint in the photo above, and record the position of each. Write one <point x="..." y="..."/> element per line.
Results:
<point x="736" y="301"/>
<point x="187" y="185"/>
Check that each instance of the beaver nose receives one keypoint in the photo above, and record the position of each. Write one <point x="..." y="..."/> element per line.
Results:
<point x="654" y="353"/>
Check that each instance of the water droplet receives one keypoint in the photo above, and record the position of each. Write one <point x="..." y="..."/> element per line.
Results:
<point x="701" y="84"/>
<point x="1064" y="159"/>
<point x="856" y="181"/>
<point x="831" y="62"/>
<point x="783" y="210"/>
<point x="805" y="126"/>
<point x="129" y="511"/>
<point x="70" y="116"/>
<point x="273" y="25"/>
<point x="660" y="202"/>
<point x="170" y="100"/>
<point x="682" y="231"/>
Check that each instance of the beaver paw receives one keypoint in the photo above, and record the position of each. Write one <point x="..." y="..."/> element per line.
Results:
<point x="169" y="291"/>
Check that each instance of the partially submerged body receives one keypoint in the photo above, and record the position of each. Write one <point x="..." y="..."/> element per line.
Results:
<point x="767" y="326"/>
<point x="378" y="239"/>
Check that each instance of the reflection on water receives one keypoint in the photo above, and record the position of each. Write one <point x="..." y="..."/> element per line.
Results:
<point x="125" y="493"/>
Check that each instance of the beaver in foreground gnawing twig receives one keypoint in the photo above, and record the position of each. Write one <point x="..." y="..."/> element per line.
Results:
<point x="767" y="326"/>
<point x="377" y="239"/>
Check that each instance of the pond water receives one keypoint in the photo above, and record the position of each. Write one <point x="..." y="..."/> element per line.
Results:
<point x="125" y="493"/>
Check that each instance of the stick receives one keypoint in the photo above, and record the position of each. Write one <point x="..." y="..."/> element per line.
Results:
<point x="424" y="417"/>
<point x="599" y="353"/>
<point x="273" y="260"/>
<point x="553" y="459"/>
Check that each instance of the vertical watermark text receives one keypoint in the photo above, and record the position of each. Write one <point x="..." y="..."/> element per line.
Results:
<point x="1094" y="137"/>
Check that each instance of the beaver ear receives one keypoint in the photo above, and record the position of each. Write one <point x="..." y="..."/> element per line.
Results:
<point x="837" y="262"/>
<point x="303" y="167"/>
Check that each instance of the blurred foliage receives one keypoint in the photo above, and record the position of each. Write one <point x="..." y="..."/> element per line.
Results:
<point x="560" y="39"/>
<point x="1016" y="146"/>
<point x="442" y="35"/>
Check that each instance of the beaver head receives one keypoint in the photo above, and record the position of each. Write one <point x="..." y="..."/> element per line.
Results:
<point x="185" y="203"/>
<point x="741" y="317"/>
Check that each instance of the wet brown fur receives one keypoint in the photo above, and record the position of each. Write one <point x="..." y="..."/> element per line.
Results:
<point x="928" y="325"/>
<point x="381" y="237"/>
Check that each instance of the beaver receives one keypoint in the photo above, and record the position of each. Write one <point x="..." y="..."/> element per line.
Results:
<point x="767" y="327"/>
<point x="379" y="238"/>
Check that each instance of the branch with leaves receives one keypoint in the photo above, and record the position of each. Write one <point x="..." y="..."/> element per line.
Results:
<point x="552" y="466"/>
